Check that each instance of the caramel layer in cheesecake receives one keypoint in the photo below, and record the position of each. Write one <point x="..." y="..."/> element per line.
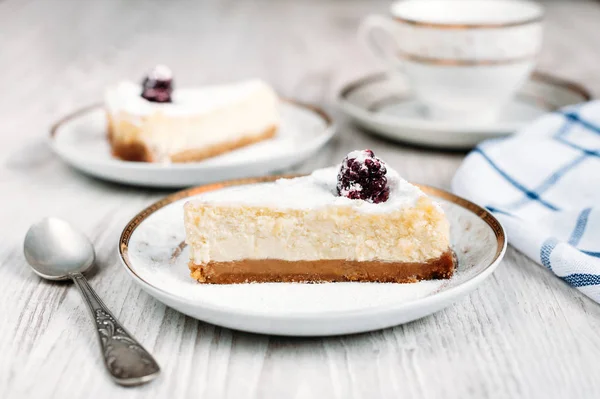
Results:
<point x="273" y="270"/>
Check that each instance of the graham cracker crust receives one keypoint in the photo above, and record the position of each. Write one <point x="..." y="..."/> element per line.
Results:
<point x="337" y="270"/>
<point x="137" y="151"/>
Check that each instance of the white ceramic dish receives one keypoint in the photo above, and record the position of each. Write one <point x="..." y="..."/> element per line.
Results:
<point x="80" y="140"/>
<point x="152" y="251"/>
<point x="385" y="106"/>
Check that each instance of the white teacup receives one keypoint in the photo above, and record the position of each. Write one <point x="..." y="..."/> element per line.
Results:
<point x="465" y="59"/>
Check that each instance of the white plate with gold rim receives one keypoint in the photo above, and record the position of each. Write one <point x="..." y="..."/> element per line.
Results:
<point x="152" y="251"/>
<point x="80" y="140"/>
<point x="383" y="104"/>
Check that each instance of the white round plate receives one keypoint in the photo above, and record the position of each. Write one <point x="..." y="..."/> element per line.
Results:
<point x="80" y="140"/>
<point x="384" y="105"/>
<point x="153" y="253"/>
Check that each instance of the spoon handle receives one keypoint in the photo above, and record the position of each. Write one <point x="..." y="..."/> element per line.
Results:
<point x="126" y="360"/>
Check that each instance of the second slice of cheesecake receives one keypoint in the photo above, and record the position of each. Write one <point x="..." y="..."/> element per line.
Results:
<point x="155" y="123"/>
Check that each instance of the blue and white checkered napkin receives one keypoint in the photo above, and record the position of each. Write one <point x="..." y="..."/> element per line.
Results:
<point x="543" y="184"/>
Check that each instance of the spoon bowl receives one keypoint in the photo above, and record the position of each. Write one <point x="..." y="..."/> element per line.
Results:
<point x="54" y="249"/>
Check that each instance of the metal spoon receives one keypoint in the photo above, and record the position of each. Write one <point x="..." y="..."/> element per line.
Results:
<point x="56" y="251"/>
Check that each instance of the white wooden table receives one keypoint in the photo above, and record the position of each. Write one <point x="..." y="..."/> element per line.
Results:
<point x="524" y="333"/>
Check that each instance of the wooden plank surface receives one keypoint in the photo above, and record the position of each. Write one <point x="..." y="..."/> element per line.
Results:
<point x="524" y="333"/>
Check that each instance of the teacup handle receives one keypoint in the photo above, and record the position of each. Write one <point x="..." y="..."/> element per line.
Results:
<point x="366" y="36"/>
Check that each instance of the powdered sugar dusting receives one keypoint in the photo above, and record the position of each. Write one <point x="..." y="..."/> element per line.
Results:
<point x="359" y="155"/>
<point x="161" y="72"/>
<point x="314" y="191"/>
<point x="125" y="96"/>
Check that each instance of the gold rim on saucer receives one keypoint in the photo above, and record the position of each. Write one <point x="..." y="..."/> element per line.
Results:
<point x="536" y="76"/>
<point x="134" y="223"/>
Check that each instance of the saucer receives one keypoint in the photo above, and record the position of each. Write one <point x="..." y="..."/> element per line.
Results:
<point x="80" y="140"/>
<point x="154" y="255"/>
<point x="384" y="105"/>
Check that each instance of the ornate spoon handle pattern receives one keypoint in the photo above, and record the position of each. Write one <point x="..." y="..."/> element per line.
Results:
<point x="126" y="360"/>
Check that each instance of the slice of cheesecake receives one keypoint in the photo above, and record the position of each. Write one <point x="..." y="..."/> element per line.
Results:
<point x="358" y="222"/>
<point x="153" y="122"/>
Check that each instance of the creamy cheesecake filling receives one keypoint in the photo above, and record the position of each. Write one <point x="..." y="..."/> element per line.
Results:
<point x="414" y="234"/>
<point x="304" y="220"/>
<point x="196" y="119"/>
